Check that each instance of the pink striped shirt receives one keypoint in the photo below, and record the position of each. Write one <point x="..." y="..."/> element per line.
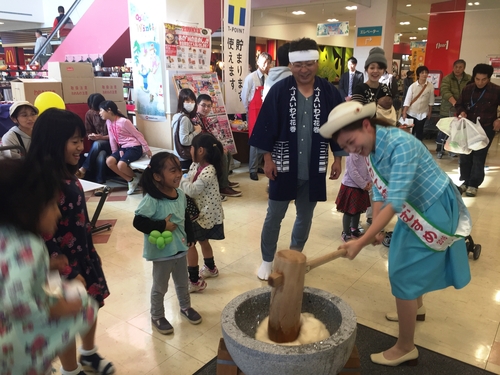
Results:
<point x="123" y="134"/>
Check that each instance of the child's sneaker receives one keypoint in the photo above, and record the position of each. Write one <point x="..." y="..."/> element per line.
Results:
<point x="92" y="360"/>
<point x="345" y="237"/>
<point x="206" y="272"/>
<point x="191" y="315"/>
<point x="162" y="325"/>
<point x="132" y="185"/>
<point x="199" y="286"/>
<point x="356" y="233"/>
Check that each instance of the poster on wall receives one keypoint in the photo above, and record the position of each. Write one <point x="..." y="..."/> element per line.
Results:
<point x="236" y="45"/>
<point x="146" y="45"/>
<point x="187" y="48"/>
<point x="329" y="29"/>
<point x="494" y="61"/>
<point x="330" y="61"/>
<point x="369" y="36"/>
<point x="218" y="122"/>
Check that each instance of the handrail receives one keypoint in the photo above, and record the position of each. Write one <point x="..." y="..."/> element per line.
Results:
<point x="54" y="32"/>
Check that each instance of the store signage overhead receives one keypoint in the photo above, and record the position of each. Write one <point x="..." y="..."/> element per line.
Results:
<point x="330" y="29"/>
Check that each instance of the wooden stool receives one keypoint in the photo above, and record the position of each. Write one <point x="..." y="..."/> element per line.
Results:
<point x="226" y="365"/>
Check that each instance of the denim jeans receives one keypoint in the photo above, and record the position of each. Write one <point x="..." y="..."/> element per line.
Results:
<point x="472" y="165"/>
<point x="276" y="211"/>
<point x="96" y="159"/>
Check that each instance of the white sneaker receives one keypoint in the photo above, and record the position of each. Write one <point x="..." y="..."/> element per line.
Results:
<point x="206" y="272"/>
<point x="132" y="185"/>
<point x="197" y="287"/>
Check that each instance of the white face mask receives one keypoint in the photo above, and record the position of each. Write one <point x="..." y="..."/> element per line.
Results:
<point x="189" y="107"/>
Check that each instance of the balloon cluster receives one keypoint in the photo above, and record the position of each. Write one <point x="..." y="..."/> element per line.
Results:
<point x="160" y="239"/>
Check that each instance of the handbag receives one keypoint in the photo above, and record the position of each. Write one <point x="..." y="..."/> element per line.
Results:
<point x="183" y="151"/>
<point x="192" y="209"/>
<point x="389" y="115"/>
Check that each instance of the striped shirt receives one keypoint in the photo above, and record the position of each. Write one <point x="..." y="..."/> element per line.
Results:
<point x="407" y="166"/>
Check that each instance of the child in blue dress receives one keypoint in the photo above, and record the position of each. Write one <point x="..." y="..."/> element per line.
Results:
<point x="427" y="250"/>
<point x="163" y="208"/>
<point x="58" y="137"/>
<point x="36" y="324"/>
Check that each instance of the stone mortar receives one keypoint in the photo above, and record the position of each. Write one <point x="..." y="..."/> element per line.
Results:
<point x="241" y="317"/>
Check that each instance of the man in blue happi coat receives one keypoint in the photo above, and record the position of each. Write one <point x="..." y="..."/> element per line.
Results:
<point x="295" y="154"/>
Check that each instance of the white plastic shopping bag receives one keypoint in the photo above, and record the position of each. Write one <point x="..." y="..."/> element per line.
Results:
<point x="457" y="142"/>
<point x="444" y="124"/>
<point x="476" y="136"/>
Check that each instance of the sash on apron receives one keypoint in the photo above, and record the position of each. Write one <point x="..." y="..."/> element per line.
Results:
<point x="430" y="235"/>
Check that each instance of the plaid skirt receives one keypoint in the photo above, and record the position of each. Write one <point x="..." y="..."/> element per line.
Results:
<point x="214" y="233"/>
<point x="351" y="200"/>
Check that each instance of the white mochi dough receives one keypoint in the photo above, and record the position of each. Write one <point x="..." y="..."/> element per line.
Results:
<point x="311" y="330"/>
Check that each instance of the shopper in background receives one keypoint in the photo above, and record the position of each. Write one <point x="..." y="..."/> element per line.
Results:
<point x="350" y="79"/>
<point x="183" y="128"/>
<point x="251" y="97"/>
<point x="407" y="82"/>
<point x="97" y="132"/>
<point x="203" y="109"/>
<point x="127" y="144"/>
<point x="24" y="115"/>
<point x="419" y="101"/>
<point x="47" y="51"/>
<point x="451" y="88"/>
<point x="66" y="28"/>
<point x="295" y="154"/>
<point x="478" y="101"/>
<point x="279" y="72"/>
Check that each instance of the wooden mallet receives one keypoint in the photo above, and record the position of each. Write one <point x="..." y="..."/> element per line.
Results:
<point x="287" y="281"/>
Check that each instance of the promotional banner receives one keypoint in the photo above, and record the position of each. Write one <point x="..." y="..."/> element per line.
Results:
<point x="218" y="122"/>
<point x="328" y="29"/>
<point x="187" y="48"/>
<point x="369" y="36"/>
<point x="146" y="44"/>
<point x="236" y="43"/>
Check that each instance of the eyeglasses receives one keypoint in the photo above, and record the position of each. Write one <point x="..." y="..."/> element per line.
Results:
<point x="206" y="105"/>
<point x="307" y="64"/>
<point x="26" y="115"/>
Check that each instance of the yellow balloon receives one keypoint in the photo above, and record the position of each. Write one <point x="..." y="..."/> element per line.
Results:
<point x="48" y="99"/>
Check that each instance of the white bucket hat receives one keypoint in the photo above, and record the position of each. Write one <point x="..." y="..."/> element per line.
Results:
<point x="20" y="103"/>
<point x="345" y="114"/>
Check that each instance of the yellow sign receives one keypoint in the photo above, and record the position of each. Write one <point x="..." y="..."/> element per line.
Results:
<point x="417" y="58"/>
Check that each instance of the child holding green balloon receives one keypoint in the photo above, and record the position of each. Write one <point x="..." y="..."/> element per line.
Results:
<point x="168" y="234"/>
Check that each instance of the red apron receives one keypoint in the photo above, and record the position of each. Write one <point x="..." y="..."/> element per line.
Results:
<point x="254" y="108"/>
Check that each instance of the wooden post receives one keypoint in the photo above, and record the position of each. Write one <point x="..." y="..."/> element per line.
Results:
<point x="286" y="297"/>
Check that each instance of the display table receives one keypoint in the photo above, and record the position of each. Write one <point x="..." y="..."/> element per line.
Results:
<point x="241" y="142"/>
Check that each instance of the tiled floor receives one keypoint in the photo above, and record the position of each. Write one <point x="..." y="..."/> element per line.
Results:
<point x="461" y="324"/>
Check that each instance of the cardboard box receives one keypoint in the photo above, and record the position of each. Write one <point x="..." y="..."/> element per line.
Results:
<point x="61" y="70"/>
<point x="110" y="87"/>
<point x="122" y="107"/>
<point x="77" y="90"/>
<point x="29" y="89"/>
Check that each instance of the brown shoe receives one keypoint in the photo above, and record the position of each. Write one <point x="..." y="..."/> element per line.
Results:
<point x="228" y="192"/>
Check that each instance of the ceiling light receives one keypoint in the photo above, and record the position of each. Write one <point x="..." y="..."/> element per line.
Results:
<point x="354" y="7"/>
<point x="332" y="20"/>
<point x="470" y="4"/>
<point x="408" y="5"/>
<point x="422" y="28"/>
<point x="1" y="23"/>
<point x="424" y="40"/>
<point x="404" y="23"/>
<point x="298" y="12"/>
<point x="413" y="37"/>
<point x="476" y="3"/>
<point x="400" y="34"/>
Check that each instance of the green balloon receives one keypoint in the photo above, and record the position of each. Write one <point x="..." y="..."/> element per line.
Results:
<point x="152" y="240"/>
<point x="160" y="242"/>
<point x="155" y="233"/>
<point x="168" y="240"/>
<point x="166" y="234"/>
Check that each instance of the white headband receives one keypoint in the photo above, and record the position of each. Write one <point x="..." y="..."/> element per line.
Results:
<point x="307" y="55"/>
